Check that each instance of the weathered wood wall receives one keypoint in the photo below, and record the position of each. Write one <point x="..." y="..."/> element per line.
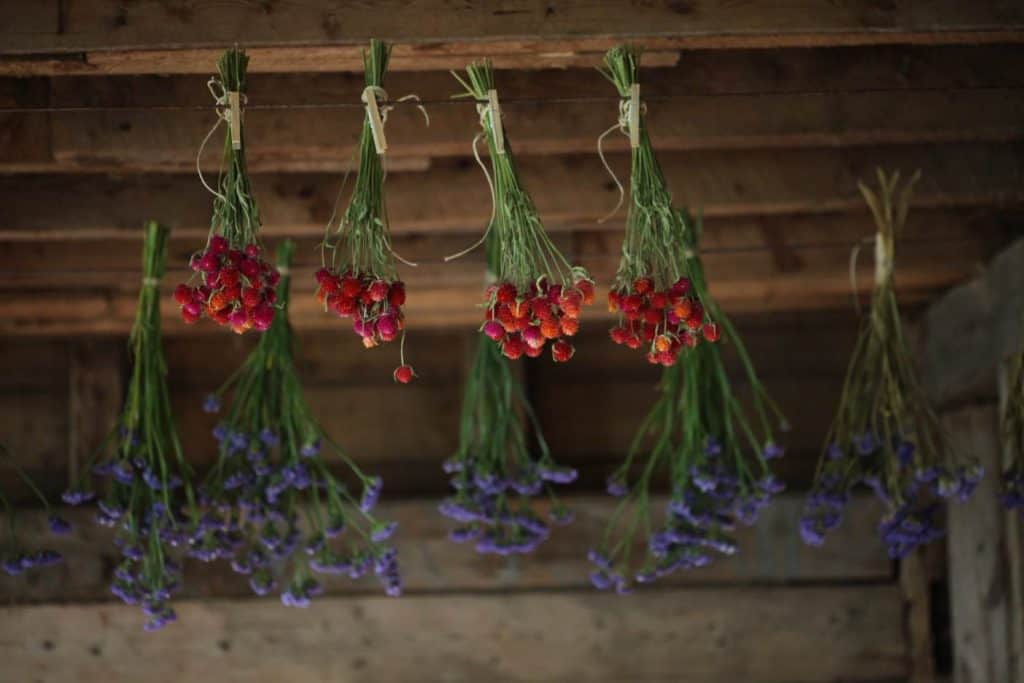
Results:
<point x="765" y="115"/>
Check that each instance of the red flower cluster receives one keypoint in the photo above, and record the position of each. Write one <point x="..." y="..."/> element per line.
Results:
<point x="667" y="320"/>
<point x="374" y="305"/>
<point x="238" y="287"/>
<point x="523" y="322"/>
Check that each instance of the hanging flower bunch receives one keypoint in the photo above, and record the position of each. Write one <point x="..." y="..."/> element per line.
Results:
<point x="885" y="434"/>
<point x="358" y="279"/>
<point x="494" y="474"/>
<point x="271" y="470"/>
<point x="1013" y="428"/>
<point x="538" y="295"/>
<point x="148" y="499"/>
<point x="714" y="451"/>
<point x="15" y="558"/>
<point x="659" y="311"/>
<point x="232" y="284"/>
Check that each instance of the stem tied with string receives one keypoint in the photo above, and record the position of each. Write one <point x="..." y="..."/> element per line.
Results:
<point x="538" y="294"/>
<point x="231" y="284"/>
<point x="495" y="473"/>
<point x="659" y="309"/>
<point x="359" y="279"/>
<point x="149" y="499"/>
<point x="274" y="503"/>
<point x="713" y="448"/>
<point x="885" y="434"/>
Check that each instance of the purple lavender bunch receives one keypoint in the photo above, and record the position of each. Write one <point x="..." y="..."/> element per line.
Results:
<point x="15" y="557"/>
<point x="717" y="469"/>
<point x="271" y="473"/>
<point x="885" y="435"/>
<point x="149" y="500"/>
<point x="494" y="475"/>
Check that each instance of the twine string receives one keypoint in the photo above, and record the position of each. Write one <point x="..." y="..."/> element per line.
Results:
<point x="150" y="281"/>
<point x="490" y="186"/>
<point x="221" y="98"/>
<point x="623" y="126"/>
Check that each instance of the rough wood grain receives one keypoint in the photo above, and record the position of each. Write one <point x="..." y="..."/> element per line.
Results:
<point x="89" y="36"/>
<point x="325" y="139"/>
<point x="96" y="388"/>
<point x="568" y="191"/>
<point x="757" y="635"/>
<point x="979" y="566"/>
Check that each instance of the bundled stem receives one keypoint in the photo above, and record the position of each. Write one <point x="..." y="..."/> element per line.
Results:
<point x="885" y="434"/>
<point x="359" y="278"/>
<point x="659" y="308"/>
<point x="494" y="471"/>
<point x="538" y="294"/>
<point x="714" y="452"/>
<point x="149" y="499"/>
<point x="231" y="284"/>
<point x="271" y="470"/>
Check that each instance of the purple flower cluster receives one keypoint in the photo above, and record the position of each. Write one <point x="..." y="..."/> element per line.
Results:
<point x="900" y="477"/>
<point x="493" y="508"/>
<point x="21" y="561"/>
<point x="704" y="509"/>
<point x="252" y="502"/>
<point x="148" y="530"/>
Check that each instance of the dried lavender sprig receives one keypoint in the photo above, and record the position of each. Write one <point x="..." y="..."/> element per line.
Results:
<point x="149" y="500"/>
<point x="525" y="252"/>
<point x="885" y="434"/>
<point x="270" y="471"/>
<point x="15" y="558"/>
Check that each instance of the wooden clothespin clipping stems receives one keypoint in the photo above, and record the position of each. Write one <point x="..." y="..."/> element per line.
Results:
<point x="495" y="112"/>
<point x="634" y="115"/>
<point x="235" y="103"/>
<point x="376" y="123"/>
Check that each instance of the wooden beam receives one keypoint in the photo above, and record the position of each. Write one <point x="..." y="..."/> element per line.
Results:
<point x="984" y="615"/>
<point x="323" y="139"/>
<point x="97" y="36"/>
<point x="757" y="635"/>
<point x="568" y="191"/>
<point x="972" y="328"/>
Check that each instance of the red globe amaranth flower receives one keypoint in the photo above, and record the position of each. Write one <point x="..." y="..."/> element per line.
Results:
<point x="661" y="322"/>
<point x="404" y="374"/>
<point x="523" y="322"/>
<point x="373" y="304"/>
<point x="238" y="287"/>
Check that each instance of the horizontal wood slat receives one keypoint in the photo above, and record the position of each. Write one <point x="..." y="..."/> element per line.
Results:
<point x="756" y="635"/>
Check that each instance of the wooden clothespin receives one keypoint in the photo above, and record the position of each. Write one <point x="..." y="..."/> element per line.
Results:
<point x="376" y="123"/>
<point x="495" y="112"/>
<point x="634" y="115"/>
<point x="235" y="103"/>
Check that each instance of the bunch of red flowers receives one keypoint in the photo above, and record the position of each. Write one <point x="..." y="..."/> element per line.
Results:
<point x="522" y="322"/>
<point x="665" y="320"/>
<point x="238" y="287"/>
<point x="375" y="305"/>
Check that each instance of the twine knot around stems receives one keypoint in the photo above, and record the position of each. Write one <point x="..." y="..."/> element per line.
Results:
<point x="229" y="105"/>
<point x="150" y="282"/>
<point x="630" y="111"/>
<point x="377" y="108"/>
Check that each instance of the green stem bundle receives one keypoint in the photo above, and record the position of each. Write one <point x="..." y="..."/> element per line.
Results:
<point x="885" y="434"/>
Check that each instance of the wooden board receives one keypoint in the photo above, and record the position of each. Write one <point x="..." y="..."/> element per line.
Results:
<point x="324" y="139"/>
<point x="568" y="191"/>
<point x="90" y="36"/>
<point x="754" y="635"/>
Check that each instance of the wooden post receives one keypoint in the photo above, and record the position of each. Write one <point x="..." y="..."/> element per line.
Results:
<point x="981" y="599"/>
<point x="1014" y="534"/>
<point x="96" y="385"/>
<point x="915" y="582"/>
